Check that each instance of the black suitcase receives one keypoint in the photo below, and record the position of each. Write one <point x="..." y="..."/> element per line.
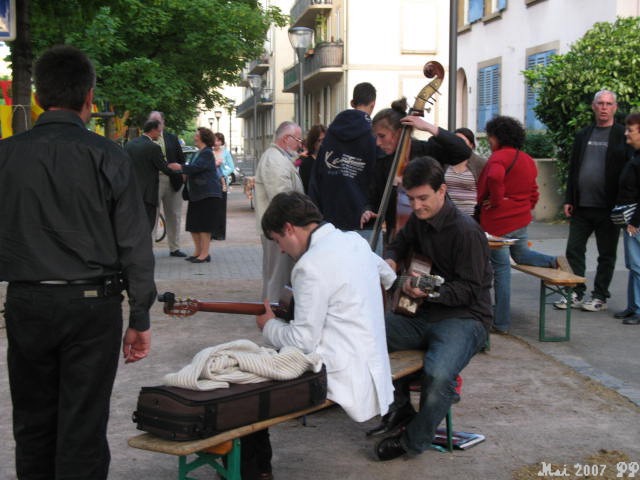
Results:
<point x="181" y="414"/>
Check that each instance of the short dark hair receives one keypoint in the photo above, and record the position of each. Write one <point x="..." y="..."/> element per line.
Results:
<point x="363" y="94"/>
<point x="289" y="207"/>
<point x="632" y="119"/>
<point x="150" y="125"/>
<point x="206" y="135"/>
<point x="468" y="134"/>
<point x="63" y="77"/>
<point x="423" y="171"/>
<point x="219" y="136"/>
<point x="312" y="137"/>
<point x="508" y="131"/>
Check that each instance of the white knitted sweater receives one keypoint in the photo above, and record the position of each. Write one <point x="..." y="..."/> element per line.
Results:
<point x="242" y="361"/>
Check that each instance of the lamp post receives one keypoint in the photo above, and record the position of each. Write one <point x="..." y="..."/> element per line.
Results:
<point x="301" y="39"/>
<point x="230" y="108"/>
<point x="255" y="82"/>
<point x="218" y="114"/>
<point x="210" y="123"/>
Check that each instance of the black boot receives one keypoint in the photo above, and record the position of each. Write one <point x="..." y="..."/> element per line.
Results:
<point x="393" y="420"/>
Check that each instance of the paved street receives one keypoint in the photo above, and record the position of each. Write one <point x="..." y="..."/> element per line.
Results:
<point x="535" y="402"/>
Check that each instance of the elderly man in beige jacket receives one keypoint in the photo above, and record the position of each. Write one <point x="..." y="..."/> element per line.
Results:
<point x="276" y="173"/>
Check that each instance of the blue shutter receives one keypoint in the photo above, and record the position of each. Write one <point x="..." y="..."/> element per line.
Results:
<point x="502" y="4"/>
<point x="488" y="95"/>
<point x="531" y="120"/>
<point x="476" y="10"/>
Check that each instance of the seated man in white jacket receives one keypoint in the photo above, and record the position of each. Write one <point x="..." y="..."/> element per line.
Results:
<point x="339" y="311"/>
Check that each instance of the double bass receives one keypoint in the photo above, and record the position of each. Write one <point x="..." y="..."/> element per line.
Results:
<point x="433" y="70"/>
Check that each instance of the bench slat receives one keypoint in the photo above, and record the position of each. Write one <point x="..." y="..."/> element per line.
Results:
<point x="553" y="276"/>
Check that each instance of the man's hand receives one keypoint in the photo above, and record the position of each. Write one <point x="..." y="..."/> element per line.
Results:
<point x="412" y="291"/>
<point x="568" y="210"/>
<point x="261" y="320"/>
<point x="174" y="166"/>
<point x="136" y="345"/>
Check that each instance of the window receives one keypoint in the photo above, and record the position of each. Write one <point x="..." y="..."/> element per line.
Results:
<point x="475" y="10"/>
<point x="488" y="94"/>
<point x="531" y="120"/>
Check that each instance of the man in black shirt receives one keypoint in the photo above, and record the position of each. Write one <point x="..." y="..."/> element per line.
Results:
<point x="451" y="326"/>
<point x="73" y="234"/>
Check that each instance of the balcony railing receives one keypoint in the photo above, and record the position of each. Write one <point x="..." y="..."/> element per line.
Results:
<point x="259" y="65"/>
<point x="325" y="55"/>
<point x="304" y="11"/>
<point x="264" y="100"/>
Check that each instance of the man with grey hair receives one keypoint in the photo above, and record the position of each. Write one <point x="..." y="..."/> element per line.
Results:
<point x="599" y="153"/>
<point x="170" y="186"/>
<point x="276" y="173"/>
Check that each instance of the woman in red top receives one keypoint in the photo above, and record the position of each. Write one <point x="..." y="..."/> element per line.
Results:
<point x="507" y="192"/>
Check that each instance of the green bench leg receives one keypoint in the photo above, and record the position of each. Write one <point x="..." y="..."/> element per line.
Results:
<point x="232" y="472"/>
<point x="546" y="291"/>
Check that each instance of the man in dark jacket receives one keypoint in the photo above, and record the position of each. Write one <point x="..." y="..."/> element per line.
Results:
<point x="343" y="171"/>
<point x="170" y="186"/>
<point x="148" y="161"/>
<point x="599" y="154"/>
<point x="72" y="236"/>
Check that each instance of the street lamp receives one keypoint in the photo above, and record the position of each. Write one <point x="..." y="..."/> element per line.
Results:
<point x="255" y="82"/>
<point x="218" y="114"/>
<point x="230" y="106"/>
<point x="211" y="123"/>
<point x="301" y="39"/>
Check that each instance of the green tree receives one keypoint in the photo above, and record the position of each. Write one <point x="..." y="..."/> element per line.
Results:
<point x="606" y="57"/>
<point x="168" y="55"/>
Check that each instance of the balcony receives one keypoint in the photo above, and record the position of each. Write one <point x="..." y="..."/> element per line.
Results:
<point x="322" y="67"/>
<point x="304" y="12"/>
<point x="259" y="66"/>
<point x="265" y="102"/>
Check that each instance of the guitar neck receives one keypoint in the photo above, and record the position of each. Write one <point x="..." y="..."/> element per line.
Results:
<point x="243" y="308"/>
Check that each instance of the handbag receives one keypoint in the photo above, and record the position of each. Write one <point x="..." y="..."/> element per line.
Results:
<point x="621" y="214"/>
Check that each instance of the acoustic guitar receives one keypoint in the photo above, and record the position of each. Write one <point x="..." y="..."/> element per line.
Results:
<point x="430" y="284"/>
<point x="179" y="307"/>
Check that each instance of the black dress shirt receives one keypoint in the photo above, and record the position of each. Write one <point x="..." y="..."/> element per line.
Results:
<point x="459" y="250"/>
<point x="70" y="209"/>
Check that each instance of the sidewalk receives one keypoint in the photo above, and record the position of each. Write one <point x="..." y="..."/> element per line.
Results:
<point x="531" y="400"/>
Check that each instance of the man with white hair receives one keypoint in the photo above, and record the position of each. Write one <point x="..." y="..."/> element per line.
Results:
<point x="276" y="173"/>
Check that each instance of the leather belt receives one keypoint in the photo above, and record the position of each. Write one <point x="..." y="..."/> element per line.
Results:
<point x="93" y="287"/>
<point x="88" y="281"/>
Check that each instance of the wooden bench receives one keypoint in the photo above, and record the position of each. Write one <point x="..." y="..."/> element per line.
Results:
<point x="553" y="281"/>
<point x="210" y="451"/>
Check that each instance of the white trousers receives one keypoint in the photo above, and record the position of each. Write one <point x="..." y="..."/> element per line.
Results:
<point x="171" y="203"/>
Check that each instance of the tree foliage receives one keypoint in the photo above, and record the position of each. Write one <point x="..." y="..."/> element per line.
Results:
<point x="606" y="57"/>
<point x="168" y="55"/>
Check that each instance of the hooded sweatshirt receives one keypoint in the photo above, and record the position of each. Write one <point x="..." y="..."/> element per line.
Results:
<point x="343" y="171"/>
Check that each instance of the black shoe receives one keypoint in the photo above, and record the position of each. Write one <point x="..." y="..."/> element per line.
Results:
<point x="626" y="313"/>
<point x="390" y="448"/>
<point x="499" y="331"/>
<point x="177" y="253"/>
<point x="190" y="258"/>
<point x="201" y="260"/>
<point x="393" y="420"/>
<point x="634" y="320"/>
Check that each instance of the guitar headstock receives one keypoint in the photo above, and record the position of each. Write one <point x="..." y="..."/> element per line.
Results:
<point x="428" y="283"/>
<point x="178" y="307"/>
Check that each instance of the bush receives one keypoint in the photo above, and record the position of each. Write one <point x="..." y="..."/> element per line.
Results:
<point x="539" y="145"/>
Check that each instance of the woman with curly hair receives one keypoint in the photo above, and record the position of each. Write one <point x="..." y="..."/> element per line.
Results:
<point x="507" y="192"/>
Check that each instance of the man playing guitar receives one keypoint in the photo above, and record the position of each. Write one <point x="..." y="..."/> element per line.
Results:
<point x="451" y="326"/>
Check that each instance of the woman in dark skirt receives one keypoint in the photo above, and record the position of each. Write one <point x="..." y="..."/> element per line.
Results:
<point x="204" y="193"/>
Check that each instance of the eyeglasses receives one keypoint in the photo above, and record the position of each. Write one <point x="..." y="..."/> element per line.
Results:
<point x="299" y="140"/>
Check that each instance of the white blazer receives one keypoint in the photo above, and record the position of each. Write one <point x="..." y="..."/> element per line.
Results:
<point x="339" y="314"/>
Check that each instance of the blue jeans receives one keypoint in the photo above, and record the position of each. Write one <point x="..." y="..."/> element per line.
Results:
<point x="522" y="254"/>
<point x="449" y="346"/>
<point x="632" y="262"/>
<point x="367" y="234"/>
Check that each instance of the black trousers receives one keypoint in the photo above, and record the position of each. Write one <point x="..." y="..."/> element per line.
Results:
<point x="63" y="351"/>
